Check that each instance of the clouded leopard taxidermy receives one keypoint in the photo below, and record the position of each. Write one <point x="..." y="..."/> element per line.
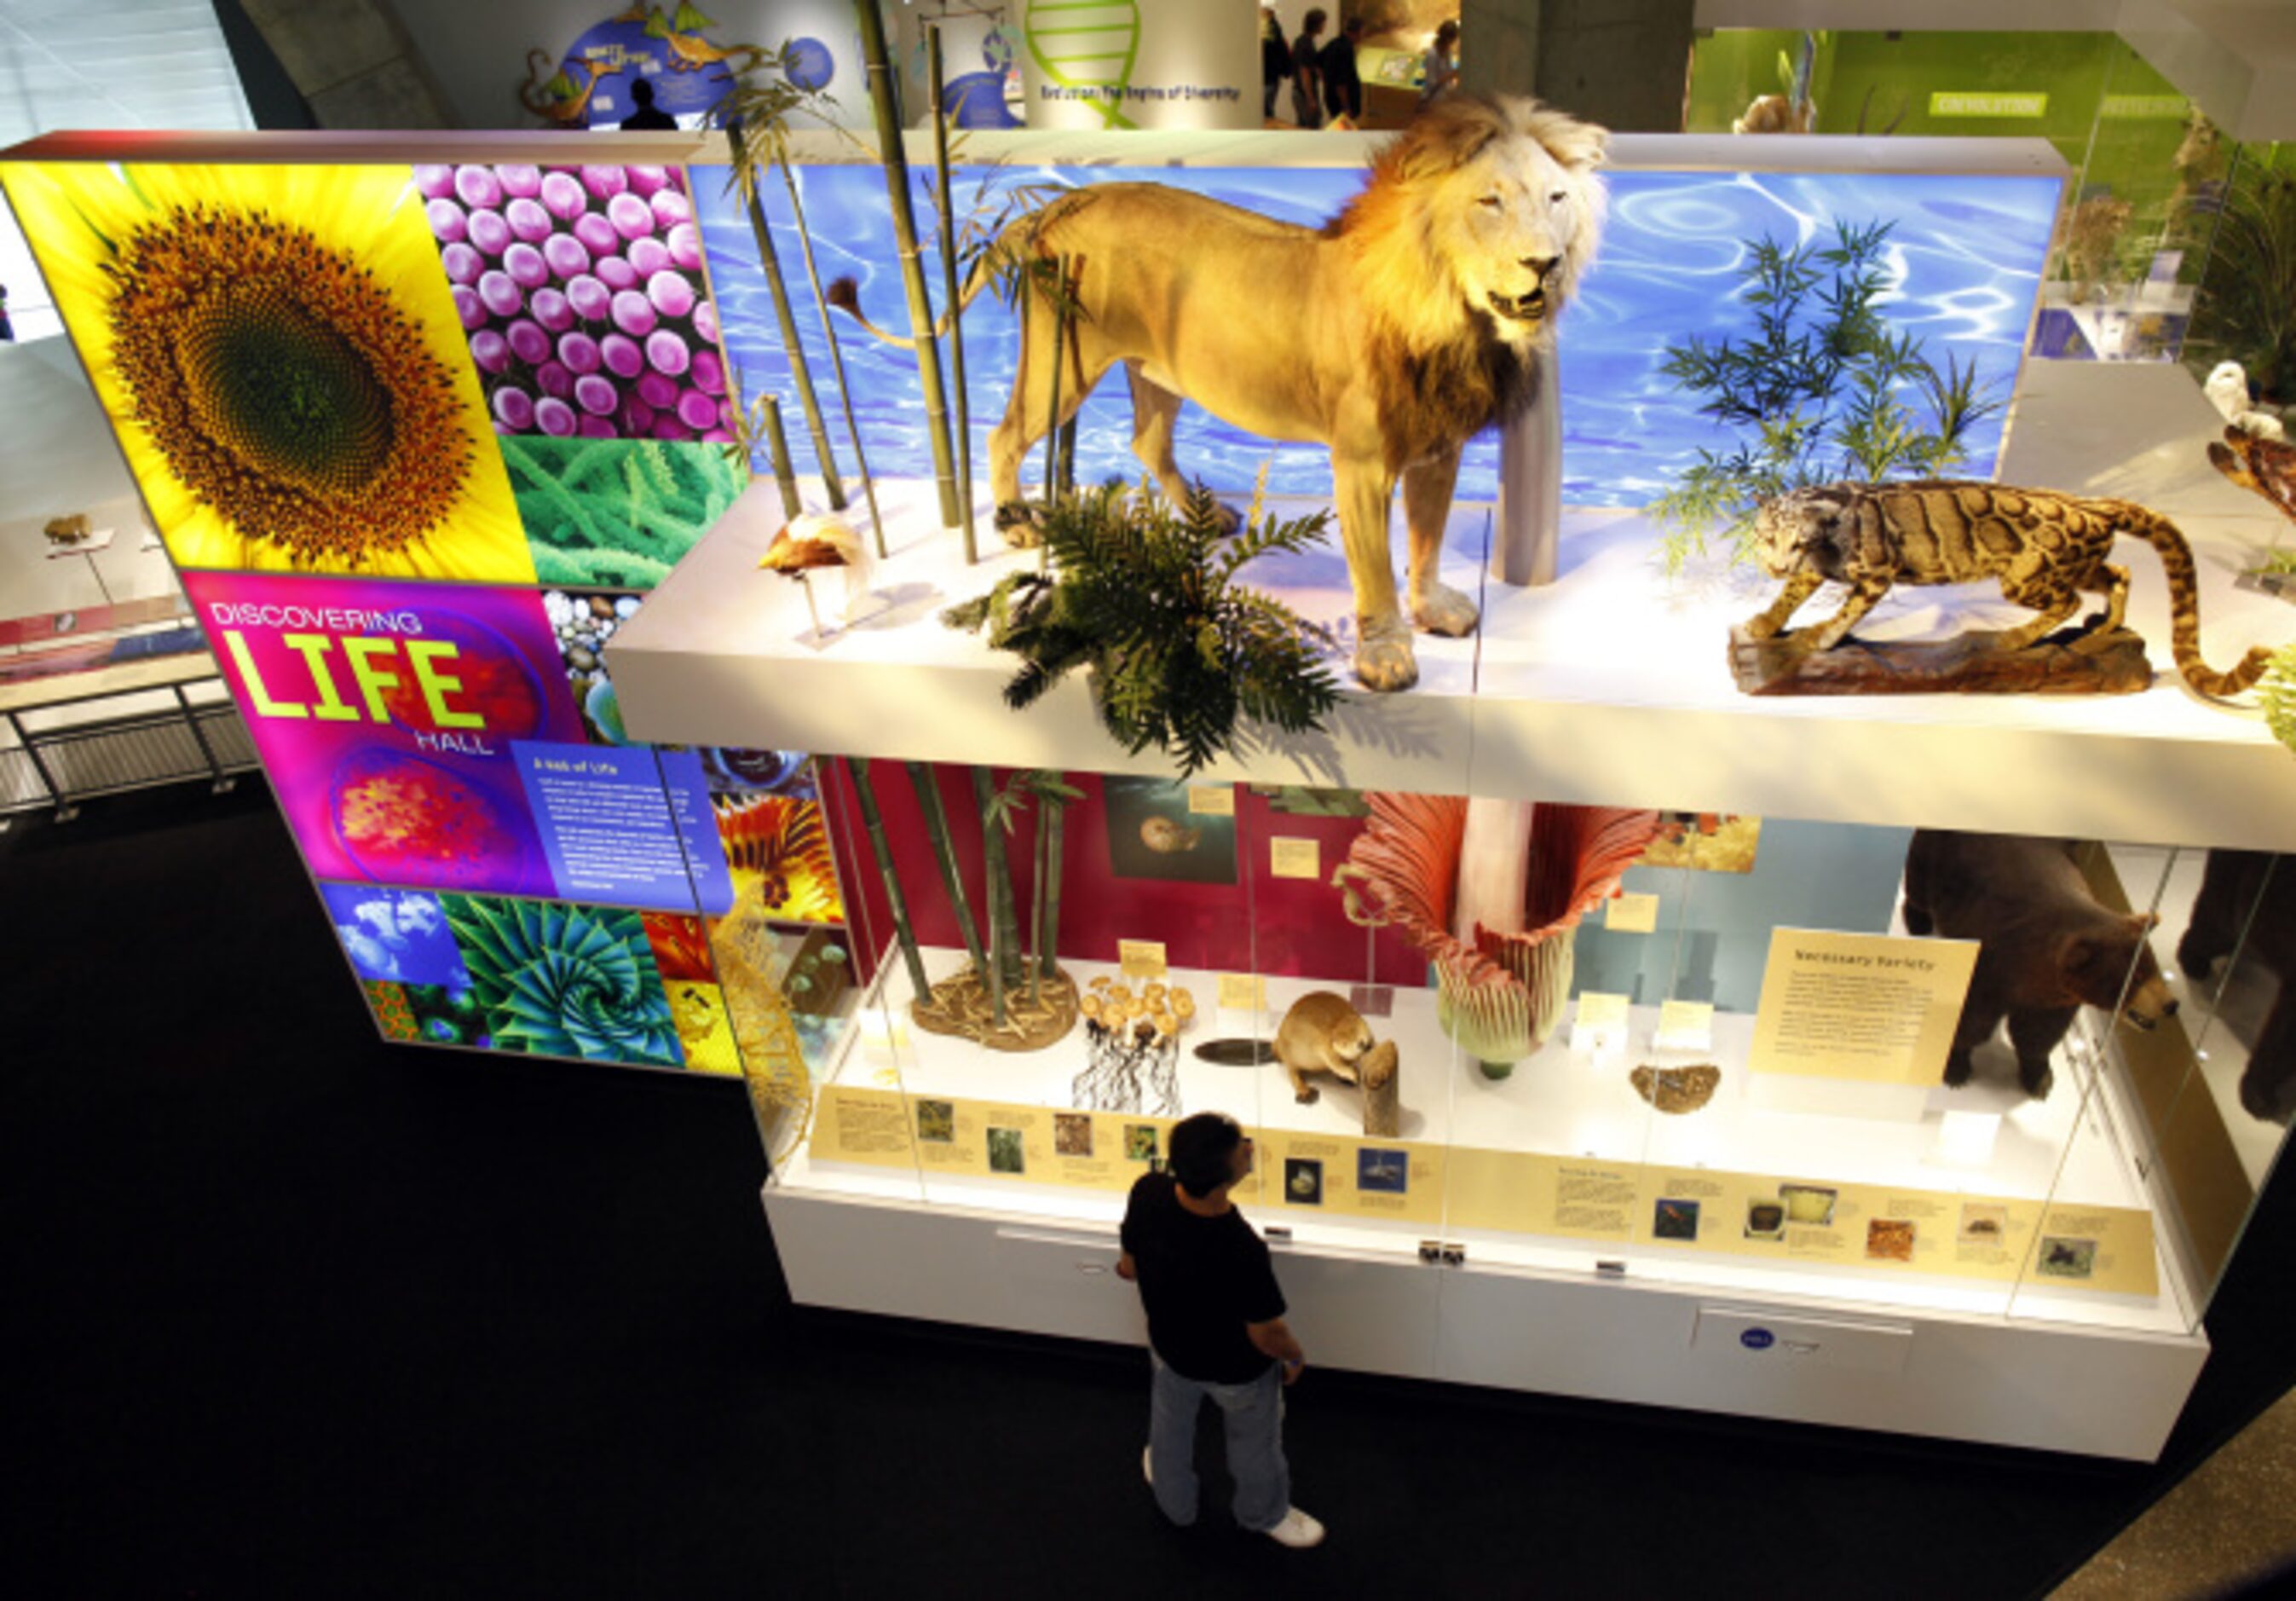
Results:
<point x="2044" y="548"/>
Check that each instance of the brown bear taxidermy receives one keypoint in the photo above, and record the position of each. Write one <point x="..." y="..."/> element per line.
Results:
<point x="2047" y="946"/>
<point x="1419" y="316"/>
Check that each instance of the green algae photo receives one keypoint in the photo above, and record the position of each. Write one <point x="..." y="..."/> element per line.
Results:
<point x="616" y="513"/>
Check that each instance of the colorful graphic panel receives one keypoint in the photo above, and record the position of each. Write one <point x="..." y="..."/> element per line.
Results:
<point x="581" y="290"/>
<point x="617" y="515"/>
<point x="1966" y="257"/>
<point x="564" y="981"/>
<point x="395" y="936"/>
<point x="278" y="352"/>
<point x="385" y="714"/>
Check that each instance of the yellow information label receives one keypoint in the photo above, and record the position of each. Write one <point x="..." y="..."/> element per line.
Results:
<point x="1988" y="103"/>
<point x="1599" y="1010"/>
<point x="1870" y="1008"/>
<point x="1780" y="1218"/>
<point x="1243" y="992"/>
<point x="1211" y="800"/>
<point x="1631" y="914"/>
<point x="1690" y="1022"/>
<point x="1290" y="857"/>
<point x="1140" y="958"/>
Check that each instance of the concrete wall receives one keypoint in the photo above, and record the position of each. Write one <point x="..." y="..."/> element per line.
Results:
<point x="351" y="61"/>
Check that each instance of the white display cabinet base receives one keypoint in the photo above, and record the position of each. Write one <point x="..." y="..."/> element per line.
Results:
<point x="1988" y="1380"/>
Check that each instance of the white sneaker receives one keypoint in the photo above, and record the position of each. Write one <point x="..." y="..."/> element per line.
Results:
<point x="1297" y="1531"/>
<point x="1148" y="1464"/>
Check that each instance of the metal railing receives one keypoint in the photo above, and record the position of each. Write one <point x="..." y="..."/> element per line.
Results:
<point x="65" y="764"/>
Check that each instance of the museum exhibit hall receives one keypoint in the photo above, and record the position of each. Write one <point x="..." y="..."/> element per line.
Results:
<point x="679" y="686"/>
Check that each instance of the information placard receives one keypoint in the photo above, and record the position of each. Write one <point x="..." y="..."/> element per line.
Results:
<point x="1871" y="1008"/>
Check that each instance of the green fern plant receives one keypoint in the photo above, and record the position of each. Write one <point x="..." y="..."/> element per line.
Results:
<point x="1146" y="598"/>
<point x="1821" y="390"/>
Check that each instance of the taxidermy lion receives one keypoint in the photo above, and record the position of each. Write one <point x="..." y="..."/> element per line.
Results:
<point x="1419" y="316"/>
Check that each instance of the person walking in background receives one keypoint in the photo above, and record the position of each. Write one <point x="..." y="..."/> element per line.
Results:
<point x="1441" y="62"/>
<point x="1274" y="56"/>
<point x="8" y="328"/>
<point x="647" y="116"/>
<point x="1216" y="1329"/>
<point x="1342" y="84"/>
<point x="1306" y="71"/>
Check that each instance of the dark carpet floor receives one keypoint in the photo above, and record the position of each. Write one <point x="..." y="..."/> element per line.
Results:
<point x="292" y="1312"/>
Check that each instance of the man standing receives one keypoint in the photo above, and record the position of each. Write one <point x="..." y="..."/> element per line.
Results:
<point x="1342" y="84"/>
<point x="1215" y="1329"/>
<point x="1306" y="71"/>
<point x="647" y="115"/>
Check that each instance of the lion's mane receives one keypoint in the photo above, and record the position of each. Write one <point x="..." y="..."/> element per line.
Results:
<point x="1443" y="370"/>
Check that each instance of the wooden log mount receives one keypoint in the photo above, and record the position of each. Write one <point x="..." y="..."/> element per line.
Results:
<point x="1383" y="1092"/>
<point x="2068" y="662"/>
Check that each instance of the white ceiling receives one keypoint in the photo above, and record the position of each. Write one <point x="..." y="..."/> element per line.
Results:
<point x="104" y="64"/>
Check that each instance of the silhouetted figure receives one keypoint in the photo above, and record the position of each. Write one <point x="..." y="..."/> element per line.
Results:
<point x="8" y="328"/>
<point x="1307" y="71"/>
<point x="646" y="116"/>
<point x="1442" y="63"/>
<point x="1342" y="84"/>
<point x="1274" y="56"/>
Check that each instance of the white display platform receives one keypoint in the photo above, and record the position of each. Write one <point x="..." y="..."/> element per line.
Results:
<point x="1610" y="686"/>
<point x="1557" y="1103"/>
<point x="1988" y="1379"/>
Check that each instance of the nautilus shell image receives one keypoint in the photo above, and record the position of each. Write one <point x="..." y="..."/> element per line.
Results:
<point x="278" y="351"/>
<point x="565" y="981"/>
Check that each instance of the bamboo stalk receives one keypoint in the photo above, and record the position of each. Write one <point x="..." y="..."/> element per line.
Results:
<point x="952" y="299"/>
<point x="1068" y="451"/>
<point x="858" y="767"/>
<point x="786" y="315"/>
<point x="992" y="866"/>
<point x="1055" y="818"/>
<point x="895" y="162"/>
<point x="777" y="446"/>
<point x="1033" y="962"/>
<point x="1060" y="349"/>
<point x="927" y="784"/>
<point x="836" y="355"/>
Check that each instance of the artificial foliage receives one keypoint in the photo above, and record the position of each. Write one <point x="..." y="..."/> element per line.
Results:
<point x="1146" y="599"/>
<point x="1820" y="390"/>
<point x="2246" y="307"/>
<point x="2277" y="692"/>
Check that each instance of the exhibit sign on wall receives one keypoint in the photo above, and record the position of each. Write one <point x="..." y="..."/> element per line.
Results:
<point x="1134" y="64"/>
<point x="420" y="440"/>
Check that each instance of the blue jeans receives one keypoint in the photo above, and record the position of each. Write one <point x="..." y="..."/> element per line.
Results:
<point x="1254" y="1414"/>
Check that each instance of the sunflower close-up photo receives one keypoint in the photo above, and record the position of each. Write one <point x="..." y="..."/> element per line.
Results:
<point x="279" y="354"/>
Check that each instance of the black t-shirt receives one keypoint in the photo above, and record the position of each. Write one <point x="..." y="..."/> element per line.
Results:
<point x="1342" y="84"/>
<point x="1201" y="1280"/>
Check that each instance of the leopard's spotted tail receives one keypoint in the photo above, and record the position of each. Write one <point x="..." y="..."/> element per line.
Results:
<point x="2185" y="611"/>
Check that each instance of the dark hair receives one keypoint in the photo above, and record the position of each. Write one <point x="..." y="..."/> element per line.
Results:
<point x="1313" y="22"/>
<point x="1203" y="1152"/>
<point x="641" y="92"/>
<point x="1447" y="32"/>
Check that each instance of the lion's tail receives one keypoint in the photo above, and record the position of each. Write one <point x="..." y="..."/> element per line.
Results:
<point x="845" y="295"/>
<point x="2185" y="611"/>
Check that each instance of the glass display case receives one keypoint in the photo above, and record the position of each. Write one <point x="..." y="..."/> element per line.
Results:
<point x="1714" y="1052"/>
<point x="1605" y="1001"/>
<point x="1665" y="1095"/>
